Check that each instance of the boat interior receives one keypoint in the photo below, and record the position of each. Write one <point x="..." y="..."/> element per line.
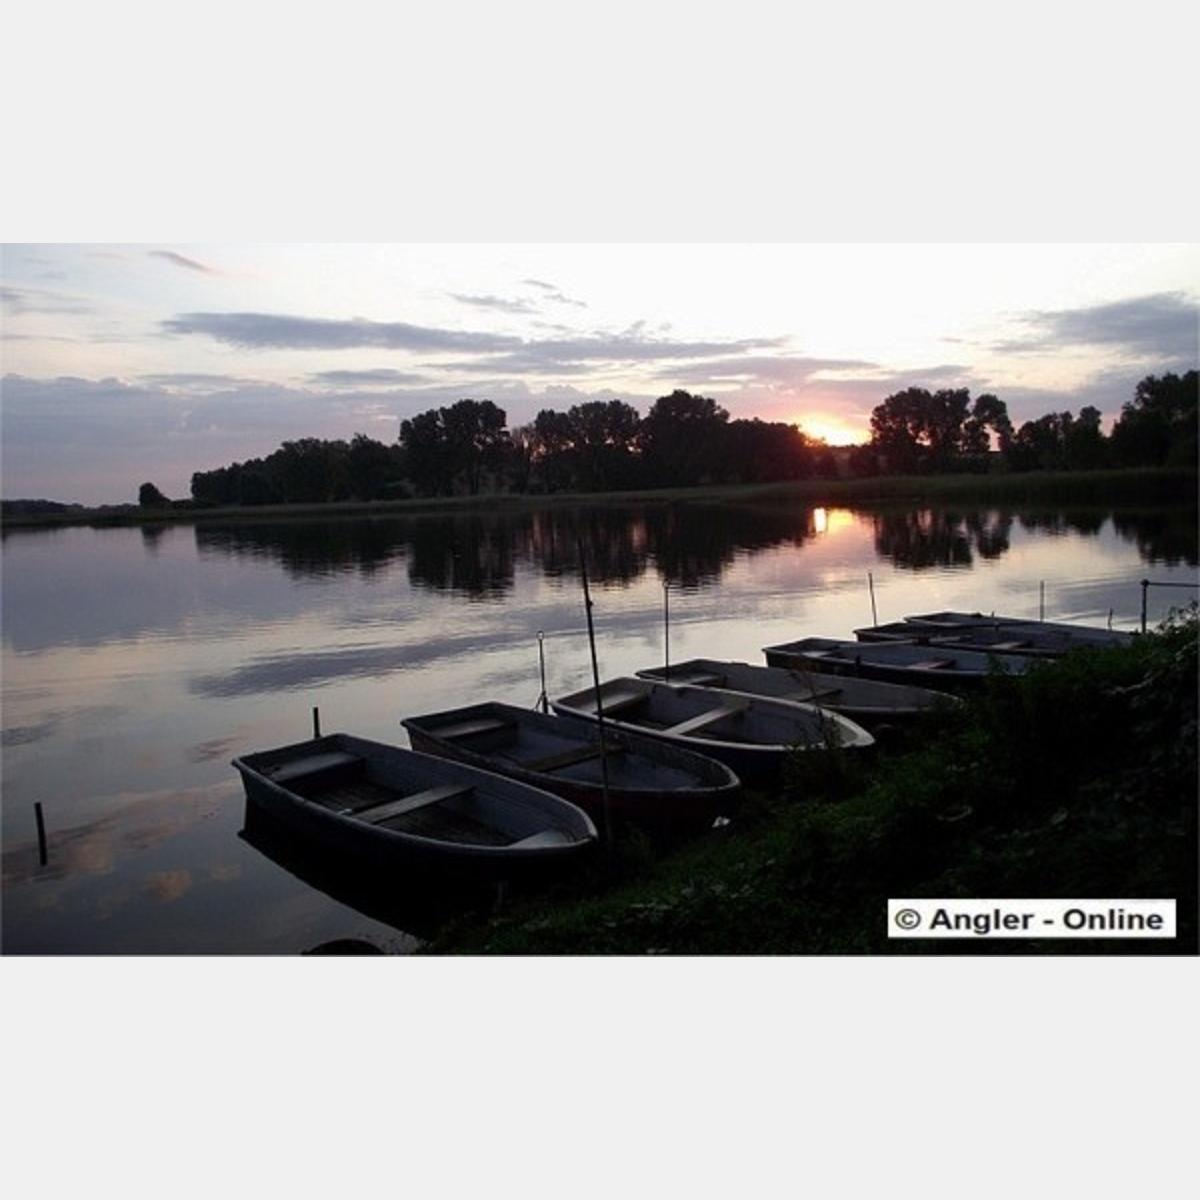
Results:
<point x="557" y="747"/>
<point x="353" y="786"/>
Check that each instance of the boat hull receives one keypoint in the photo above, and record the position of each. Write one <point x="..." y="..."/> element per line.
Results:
<point x="866" y="702"/>
<point x="936" y="667"/>
<point x="497" y="827"/>
<point x="681" y="791"/>
<point x="751" y="735"/>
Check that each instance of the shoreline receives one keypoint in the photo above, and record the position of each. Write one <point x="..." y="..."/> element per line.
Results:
<point x="1155" y="485"/>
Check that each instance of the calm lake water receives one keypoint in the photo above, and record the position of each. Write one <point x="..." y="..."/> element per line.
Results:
<point x="137" y="662"/>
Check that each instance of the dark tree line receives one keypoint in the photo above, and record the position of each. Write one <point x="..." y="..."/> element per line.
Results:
<point x="917" y="431"/>
<point x="685" y="439"/>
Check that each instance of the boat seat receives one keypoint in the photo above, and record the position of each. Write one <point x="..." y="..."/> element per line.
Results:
<point x="462" y="729"/>
<point x="620" y="702"/>
<point x="694" y="678"/>
<point x="1009" y="645"/>
<point x="297" y="768"/>
<point x="567" y="758"/>
<point x="932" y="664"/>
<point x="406" y="804"/>
<point x="712" y="715"/>
<point x="810" y="697"/>
<point x="545" y="837"/>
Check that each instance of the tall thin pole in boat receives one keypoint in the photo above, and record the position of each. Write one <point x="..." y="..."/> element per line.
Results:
<point x="543" y="701"/>
<point x="587" y="604"/>
<point x="871" y="586"/>
<point x="667" y="629"/>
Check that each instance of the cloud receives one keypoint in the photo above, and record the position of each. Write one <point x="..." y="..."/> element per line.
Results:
<point x="1162" y="326"/>
<point x="258" y="331"/>
<point x="786" y="370"/>
<point x="495" y="352"/>
<point x="20" y="300"/>
<point x="181" y="260"/>
<point x="199" y="380"/>
<point x="553" y="293"/>
<point x="496" y="302"/>
<point x="372" y="377"/>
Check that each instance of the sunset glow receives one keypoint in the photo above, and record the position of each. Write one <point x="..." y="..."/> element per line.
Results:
<point x="127" y="362"/>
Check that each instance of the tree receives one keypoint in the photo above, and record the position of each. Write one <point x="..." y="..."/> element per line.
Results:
<point x="1086" y="447"/>
<point x="475" y="438"/>
<point x="150" y="497"/>
<point x="552" y="449"/>
<point x="603" y="435"/>
<point x="1159" y="425"/>
<point x="680" y="438"/>
<point x="989" y="415"/>
<point x="522" y="443"/>
<point x="370" y="467"/>
<point x="426" y="453"/>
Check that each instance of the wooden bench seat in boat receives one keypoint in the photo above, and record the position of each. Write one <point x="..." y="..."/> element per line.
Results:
<point x="547" y="837"/>
<point x="462" y="729"/>
<point x="620" y="701"/>
<point x="709" y="717"/>
<point x="1007" y="646"/>
<point x="567" y="758"/>
<point x="406" y="804"/>
<point x="933" y="664"/>
<point x="312" y="764"/>
<point x="811" y="696"/>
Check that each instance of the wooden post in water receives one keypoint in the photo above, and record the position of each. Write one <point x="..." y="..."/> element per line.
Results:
<point x="871" y="587"/>
<point x="587" y="604"/>
<point x="1042" y="600"/>
<point x="1145" y="593"/>
<point x="316" y="722"/>
<point x="41" y="828"/>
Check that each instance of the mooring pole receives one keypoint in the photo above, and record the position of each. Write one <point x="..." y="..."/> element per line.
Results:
<point x="587" y="604"/>
<point x="41" y="828"/>
<point x="543" y="701"/>
<point x="1042" y="600"/>
<point x="667" y="629"/>
<point x="316" y="722"/>
<point x="871" y="587"/>
<point x="1110" y="613"/>
<point x="1145" y="593"/>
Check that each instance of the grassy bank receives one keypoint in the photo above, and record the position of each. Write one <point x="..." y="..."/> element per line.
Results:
<point x="1078" y="781"/>
<point x="1140" y="485"/>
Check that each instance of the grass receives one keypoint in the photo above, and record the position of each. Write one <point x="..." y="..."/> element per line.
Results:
<point x="1076" y="781"/>
<point x="1146" y="484"/>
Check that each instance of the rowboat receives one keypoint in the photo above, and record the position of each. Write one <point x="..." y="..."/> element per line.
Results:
<point x="1025" y="640"/>
<point x="895" y="662"/>
<point x="392" y="805"/>
<point x="865" y="701"/>
<point x="650" y="782"/>
<point x="954" y="621"/>
<point x="751" y="735"/>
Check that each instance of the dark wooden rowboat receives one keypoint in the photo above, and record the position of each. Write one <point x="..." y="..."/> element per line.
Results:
<point x="663" y="787"/>
<point x="896" y="662"/>
<point x="954" y="622"/>
<point x="867" y="702"/>
<point x="391" y="805"/>
<point x="752" y="735"/>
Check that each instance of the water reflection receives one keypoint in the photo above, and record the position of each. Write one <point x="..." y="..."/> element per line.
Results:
<point x="692" y="546"/>
<point x="408" y="900"/>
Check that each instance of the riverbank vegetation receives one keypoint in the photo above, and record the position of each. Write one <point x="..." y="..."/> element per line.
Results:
<point x="1141" y="486"/>
<point x="687" y="440"/>
<point x="1077" y="781"/>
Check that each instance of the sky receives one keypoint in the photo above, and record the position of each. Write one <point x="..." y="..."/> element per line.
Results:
<point x="124" y="364"/>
